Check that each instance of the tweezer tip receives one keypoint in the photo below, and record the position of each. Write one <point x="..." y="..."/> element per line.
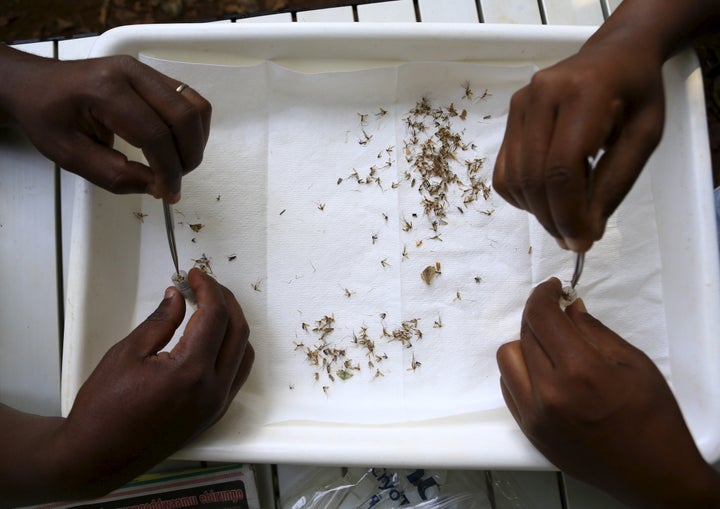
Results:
<point x="579" y="263"/>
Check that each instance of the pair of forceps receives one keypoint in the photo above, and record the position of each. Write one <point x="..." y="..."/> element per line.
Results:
<point x="579" y="263"/>
<point x="170" y="229"/>
<point x="590" y="164"/>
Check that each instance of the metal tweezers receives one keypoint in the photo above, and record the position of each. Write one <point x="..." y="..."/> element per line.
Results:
<point x="170" y="228"/>
<point x="579" y="263"/>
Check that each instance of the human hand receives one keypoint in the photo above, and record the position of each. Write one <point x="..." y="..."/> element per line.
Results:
<point x="71" y="110"/>
<point x="599" y="409"/>
<point x="140" y="404"/>
<point x="608" y="96"/>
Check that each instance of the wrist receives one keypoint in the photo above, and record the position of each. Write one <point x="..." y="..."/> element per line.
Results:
<point x="689" y="487"/>
<point x="624" y="40"/>
<point x="18" y="70"/>
<point x="702" y="490"/>
<point x="661" y="27"/>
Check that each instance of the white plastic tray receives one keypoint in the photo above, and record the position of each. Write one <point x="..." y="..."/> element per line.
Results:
<point x="681" y="183"/>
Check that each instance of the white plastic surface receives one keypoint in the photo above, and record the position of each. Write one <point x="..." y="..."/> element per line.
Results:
<point x="29" y="321"/>
<point x="490" y="439"/>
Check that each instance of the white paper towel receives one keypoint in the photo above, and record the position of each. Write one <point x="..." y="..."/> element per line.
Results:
<point x="296" y="244"/>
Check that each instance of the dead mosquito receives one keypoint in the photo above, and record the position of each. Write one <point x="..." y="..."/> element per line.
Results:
<point x="468" y="91"/>
<point x="203" y="263"/>
<point x="140" y="216"/>
<point x="366" y="138"/>
<point x="414" y="364"/>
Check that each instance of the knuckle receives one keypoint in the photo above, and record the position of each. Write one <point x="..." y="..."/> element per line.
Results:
<point x="204" y="107"/>
<point x="158" y="134"/>
<point x="113" y="68"/>
<point x="499" y="183"/>
<point x="121" y="182"/>
<point x="552" y="402"/>
<point x="190" y="121"/>
<point x="518" y="99"/>
<point x="115" y="351"/>
<point x="558" y="175"/>
<point x="125" y="62"/>
<point x="503" y="357"/>
<point x="528" y="181"/>
<point x="543" y="82"/>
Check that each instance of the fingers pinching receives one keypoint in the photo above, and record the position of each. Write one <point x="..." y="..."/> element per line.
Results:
<point x="555" y="333"/>
<point x="206" y="329"/>
<point x="158" y="329"/>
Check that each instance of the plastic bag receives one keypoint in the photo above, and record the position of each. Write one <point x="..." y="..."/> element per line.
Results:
<point x="381" y="488"/>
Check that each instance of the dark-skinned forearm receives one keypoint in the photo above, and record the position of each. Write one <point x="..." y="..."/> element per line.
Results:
<point x="16" y="68"/>
<point x="30" y="458"/>
<point x="47" y="452"/>
<point x="661" y="26"/>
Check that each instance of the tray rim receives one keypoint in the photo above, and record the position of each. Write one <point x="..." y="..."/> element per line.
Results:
<point x="289" y="443"/>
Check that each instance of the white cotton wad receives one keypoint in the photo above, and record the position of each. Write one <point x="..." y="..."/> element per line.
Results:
<point x="569" y="295"/>
<point x="181" y="282"/>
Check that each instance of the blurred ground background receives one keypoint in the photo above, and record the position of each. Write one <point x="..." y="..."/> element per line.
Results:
<point x="42" y="19"/>
<point x="23" y="20"/>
